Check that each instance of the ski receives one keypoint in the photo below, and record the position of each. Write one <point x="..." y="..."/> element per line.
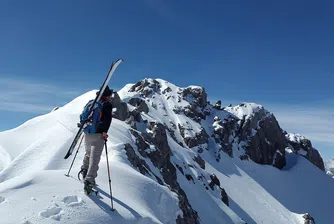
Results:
<point x="97" y="98"/>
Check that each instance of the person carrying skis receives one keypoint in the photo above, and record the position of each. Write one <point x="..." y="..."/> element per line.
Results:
<point x="95" y="134"/>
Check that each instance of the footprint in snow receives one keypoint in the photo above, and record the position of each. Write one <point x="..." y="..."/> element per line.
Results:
<point x="72" y="200"/>
<point x="52" y="212"/>
<point x="2" y="199"/>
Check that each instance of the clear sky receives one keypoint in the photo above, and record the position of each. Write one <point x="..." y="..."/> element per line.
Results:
<point x="276" y="53"/>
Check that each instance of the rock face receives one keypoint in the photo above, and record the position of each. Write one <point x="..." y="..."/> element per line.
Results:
<point x="196" y="95"/>
<point x="160" y="157"/>
<point x="120" y="109"/>
<point x="308" y="219"/>
<point x="191" y="141"/>
<point x="136" y="161"/>
<point x="163" y="113"/>
<point x="223" y="131"/>
<point x="140" y="104"/>
<point x="265" y="141"/>
<point x="303" y="146"/>
<point x="146" y="87"/>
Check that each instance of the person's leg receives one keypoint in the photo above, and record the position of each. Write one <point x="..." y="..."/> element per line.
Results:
<point x="88" y="146"/>
<point x="95" y="157"/>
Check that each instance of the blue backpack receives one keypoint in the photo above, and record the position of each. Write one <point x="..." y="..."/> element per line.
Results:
<point x="94" y="120"/>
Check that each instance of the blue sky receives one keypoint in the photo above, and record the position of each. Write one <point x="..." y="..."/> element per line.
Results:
<point x="276" y="53"/>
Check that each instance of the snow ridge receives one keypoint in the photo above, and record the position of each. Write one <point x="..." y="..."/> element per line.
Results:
<point x="173" y="158"/>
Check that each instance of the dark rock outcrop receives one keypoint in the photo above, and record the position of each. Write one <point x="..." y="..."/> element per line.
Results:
<point x="198" y="159"/>
<point x="146" y="87"/>
<point x="223" y="130"/>
<point x="136" y="161"/>
<point x="198" y="93"/>
<point x="224" y="196"/>
<point x="120" y="109"/>
<point x="161" y="159"/>
<point x="139" y="104"/>
<point x="215" y="179"/>
<point x="218" y="105"/>
<point x="308" y="219"/>
<point x="199" y="138"/>
<point x="265" y="139"/>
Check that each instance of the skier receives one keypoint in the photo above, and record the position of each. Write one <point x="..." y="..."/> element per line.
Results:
<point x="95" y="136"/>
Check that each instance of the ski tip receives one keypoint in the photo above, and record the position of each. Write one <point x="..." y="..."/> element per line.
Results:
<point x="68" y="155"/>
<point x="120" y="59"/>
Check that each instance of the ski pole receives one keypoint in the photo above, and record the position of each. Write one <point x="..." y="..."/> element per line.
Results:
<point x="112" y="206"/>
<point x="68" y="174"/>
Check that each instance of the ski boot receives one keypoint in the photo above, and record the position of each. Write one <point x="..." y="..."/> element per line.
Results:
<point x="88" y="188"/>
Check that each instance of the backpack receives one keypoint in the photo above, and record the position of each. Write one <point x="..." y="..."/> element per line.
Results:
<point x="94" y="120"/>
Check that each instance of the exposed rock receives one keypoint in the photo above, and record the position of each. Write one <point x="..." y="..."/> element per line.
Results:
<point x="136" y="161"/>
<point x="223" y="130"/>
<point x="141" y="144"/>
<point x="279" y="160"/>
<point x="120" y="109"/>
<point x="212" y="185"/>
<point x="244" y="157"/>
<point x="198" y="93"/>
<point x="131" y="121"/>
<point x="218" y="105"/>
<point x="224" y="196"/>
<point x="199" y="138"/>
<point x="198" y="159"/>
<point x="161" y="159"/>
<point x="146" y="87"/>
<point x="191" y="112"/>
<point x="167" y="90"/>
<point x="139" y="104"/>
<point x="54" y="109"/>
<point x="308" y="219"/>
<point x="264" y="137"/>
<point x="215" y="179"/>
<point x="180" y="168"/>
<point x="136" y="115"/>
<point x="190" y="178"/>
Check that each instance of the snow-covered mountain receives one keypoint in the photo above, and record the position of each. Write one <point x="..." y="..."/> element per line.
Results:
<point x="174" y="158"/>
<point x="330" y="167"/>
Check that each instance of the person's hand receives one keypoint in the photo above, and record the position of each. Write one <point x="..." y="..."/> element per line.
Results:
<point x="105" y="136"/>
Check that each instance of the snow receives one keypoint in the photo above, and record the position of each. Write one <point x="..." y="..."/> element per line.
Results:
<point x="244" y="109"/>
<point x="34" y="189"/>
<point x="329" y="166"/>
<point x="293" y="137"/>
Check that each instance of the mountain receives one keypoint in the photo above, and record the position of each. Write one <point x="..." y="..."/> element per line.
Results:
<point x="174" y="158"/>
<point x="330" y="167"/>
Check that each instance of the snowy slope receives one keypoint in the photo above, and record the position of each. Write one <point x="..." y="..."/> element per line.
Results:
<point x="33" y="188"/>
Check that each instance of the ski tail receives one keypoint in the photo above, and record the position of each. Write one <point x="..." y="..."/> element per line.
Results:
<point x="112" y="69"/>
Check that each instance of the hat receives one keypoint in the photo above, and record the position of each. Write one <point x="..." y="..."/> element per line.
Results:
<point x="107" y="91"/>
